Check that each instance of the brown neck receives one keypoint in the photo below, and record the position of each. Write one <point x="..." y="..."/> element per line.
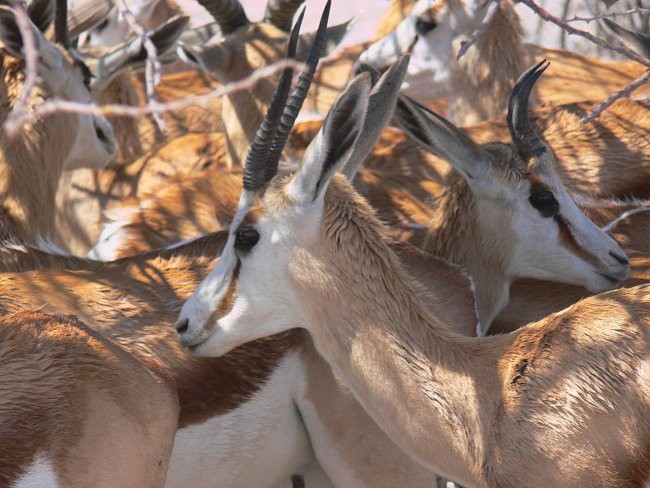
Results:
<point x="484" y="76"/>
<point x="134" y="302"/>
<point x="373" y="328"/>
<point x="456" y="234"/>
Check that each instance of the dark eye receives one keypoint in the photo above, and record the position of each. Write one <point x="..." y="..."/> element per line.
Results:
<point x="245" y="239"/>
<point x="102" y="25"/>
<point x="423" y="26"/>
<point x="544" y="201"/>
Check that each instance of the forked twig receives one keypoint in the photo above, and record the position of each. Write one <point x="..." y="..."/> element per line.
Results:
<point x="492" y="10"/>
<point x="587" y="35"/>
<point x="624" y="93"/>
<point x="30" y="53"/>
<point x="153" y="68"/>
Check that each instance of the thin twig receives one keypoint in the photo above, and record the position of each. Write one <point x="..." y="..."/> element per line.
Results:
<point x="56" y="105"/>
<point x="624" y="93"/>
<point x="596" y="40"/>
<point x="605" y="15"/>
<point x="153" y="68"/>
<point x="492" y="10"/>
<point x="610" y="226"/>
<point x="30" y="53"/>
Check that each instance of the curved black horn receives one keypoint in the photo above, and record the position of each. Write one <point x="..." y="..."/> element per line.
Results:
<point x="61" y="24"/>
<point x="255" y="166"/>
<point x="229" y="14"/>
<point x="524" y="137"/>
<point x="280" y="12"/>
<point x="297" y="97"/>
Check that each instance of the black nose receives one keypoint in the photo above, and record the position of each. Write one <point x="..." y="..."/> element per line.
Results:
<point x="182" y="325"/>
<point x="621" y="259"/>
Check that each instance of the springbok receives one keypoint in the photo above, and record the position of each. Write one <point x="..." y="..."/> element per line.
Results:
<point x="249" y="418"/>
<point x="32" y="163"/>
<point x="155" y="285"/>
<point x="505" y="215"/>
<point x="564" y="402"/>
<point x="79" y="411"/>
<point x="479" y="84"/>
<point x="85" y="196"/>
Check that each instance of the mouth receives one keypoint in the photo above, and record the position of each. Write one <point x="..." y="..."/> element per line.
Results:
<point x="610" y="279"/>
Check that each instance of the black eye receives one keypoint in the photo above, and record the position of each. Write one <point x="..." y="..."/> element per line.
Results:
<point x="544" y="201"/>
<point x="423" y="26"/>
<point x="245" y="239"/>
<point x="102" y="25"/>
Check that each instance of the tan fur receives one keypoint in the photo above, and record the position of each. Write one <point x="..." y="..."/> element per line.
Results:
<point x="558" y="403"/>
<point x="135" y="301"/>
<point x="194" y="139"/>
<point x="397" y="11"/>
<point x="69" y="396"/>
<point x="31" y="163"/>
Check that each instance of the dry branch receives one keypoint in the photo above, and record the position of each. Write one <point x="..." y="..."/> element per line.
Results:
<point x="51" y="106"/>
<point x="30" y="50"/>
<point x="492" y="10"/>
<point x="587" y="35"/>
<point x="153" y="68"/>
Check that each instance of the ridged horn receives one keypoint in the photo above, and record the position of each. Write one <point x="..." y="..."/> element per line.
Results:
<point x="297" y="97"/>
<point x="280" y="13"/>
<point x="61" y="24"/>
<point x="229" y="14"/>
<point x="255" y="165"/>
<point x="524" y="137"/>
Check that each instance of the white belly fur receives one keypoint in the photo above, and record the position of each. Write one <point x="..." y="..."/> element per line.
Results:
<point x="260" y="444"/>
<point x="39" y="475"/>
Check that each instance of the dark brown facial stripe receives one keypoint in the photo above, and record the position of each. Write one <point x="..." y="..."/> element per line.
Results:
<point x="568" y="241"/>
<point x="227" y="302"/>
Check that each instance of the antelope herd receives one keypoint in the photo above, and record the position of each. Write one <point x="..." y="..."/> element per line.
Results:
<point x="284" y="289"/>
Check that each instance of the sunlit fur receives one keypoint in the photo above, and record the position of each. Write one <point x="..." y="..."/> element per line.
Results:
<point x="32" y="163"/>
<point x="134" y="302"/>
<point x="479" y="84"/>
<point x="547" y="405"/>
<point x="70" y="397"/>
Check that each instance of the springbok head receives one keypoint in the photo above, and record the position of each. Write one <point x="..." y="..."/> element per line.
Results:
<point x="87" y="140"/>
<point x="432" y="35"/>
<point x="250" y="293"/>
<point x="521" y="205"/>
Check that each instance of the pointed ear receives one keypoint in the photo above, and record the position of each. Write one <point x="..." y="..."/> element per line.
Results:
<point x="133" y="54"/>
<point x="41" y="13"/>
<point x="84" y="15"/>
<point x="380" y="109"/>
<point x="444" y="139"/>
<point x="10" y="35"/>
<point x="209" y="58"/>
<point x="333" y="38"/>
<point x="334" y="143"/>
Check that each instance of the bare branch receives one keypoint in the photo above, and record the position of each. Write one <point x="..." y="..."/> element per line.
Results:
<point x="606" y="15"/>
<point x="596" y="40"/>
<point x="611" y="225"/>
<point x="624" y="93"/>
<point x="153" y="68"/>
<point x="492" y="10"/>
<point x="51" y="106"/>
<point x="30" y="52"/>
